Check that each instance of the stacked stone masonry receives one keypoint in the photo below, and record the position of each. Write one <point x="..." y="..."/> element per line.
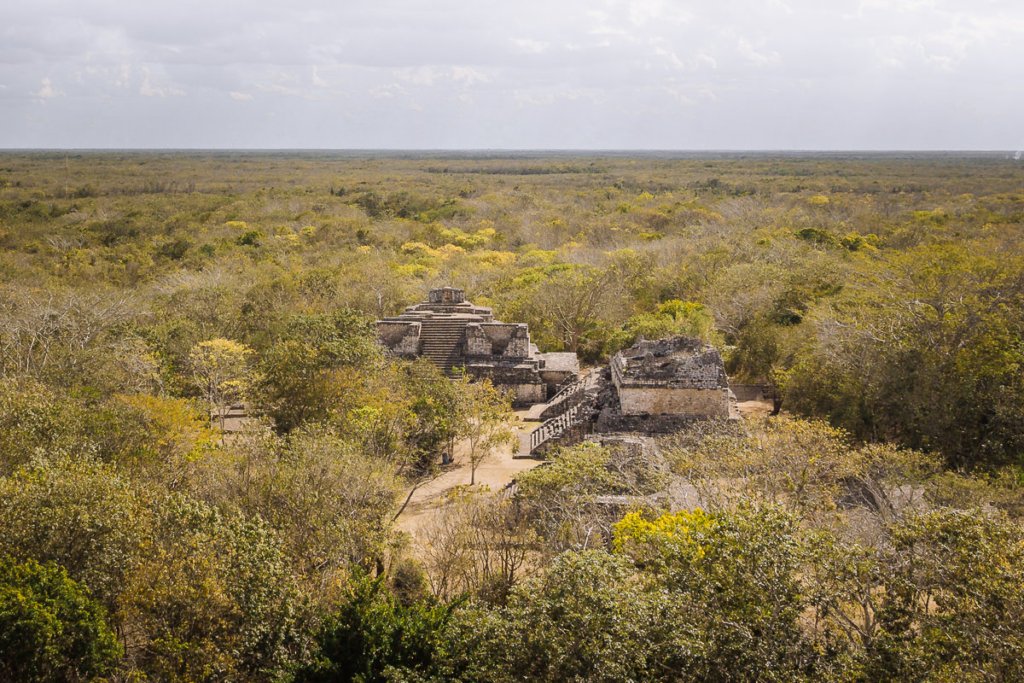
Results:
<point x="676" y="376"/>
<point x="459" y="336"/>
<point x="654" y="387"/>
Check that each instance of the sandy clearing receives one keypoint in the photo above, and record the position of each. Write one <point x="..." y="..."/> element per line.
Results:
<point x="495" y="473"/>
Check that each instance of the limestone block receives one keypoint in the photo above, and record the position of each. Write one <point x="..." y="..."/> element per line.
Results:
<point x="401" y="337"/>
<point x="671" y="401"/>
<point x="478" y="343"/>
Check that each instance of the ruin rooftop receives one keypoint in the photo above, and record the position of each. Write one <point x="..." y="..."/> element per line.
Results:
<point x="675" y="362"/>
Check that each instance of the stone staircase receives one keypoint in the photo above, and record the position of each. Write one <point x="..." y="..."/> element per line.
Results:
<point x="569" y="408"/>
<point x="441" y="341"/>
<point x="565" y="398"/>
<point x="556" y="427"/>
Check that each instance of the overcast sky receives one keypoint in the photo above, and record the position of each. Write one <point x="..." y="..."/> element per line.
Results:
<point x="514" y="74"/>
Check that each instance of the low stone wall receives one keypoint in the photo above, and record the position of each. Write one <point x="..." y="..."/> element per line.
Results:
<point x="506" y="340"/>
<point x="749" y="392"/>
<point x="554" y="379"/>
<point x="401" y="337"/>
<point x="613" y="421"/>
<point x="522" y="381"/>
<point x="525" y="394"/>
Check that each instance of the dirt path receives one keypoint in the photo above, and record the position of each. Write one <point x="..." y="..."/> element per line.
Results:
<point x="495" y="472"/>
<point x="755" y="409"/>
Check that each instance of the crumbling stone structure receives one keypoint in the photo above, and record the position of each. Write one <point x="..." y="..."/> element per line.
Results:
<point x="675" y="376"/>
<point x="653" y="387"/>
<point x="661" y="386"/>
<point x="455" y="334"/>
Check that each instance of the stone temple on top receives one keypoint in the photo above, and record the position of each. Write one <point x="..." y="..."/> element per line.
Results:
<point x="457" y="335"/>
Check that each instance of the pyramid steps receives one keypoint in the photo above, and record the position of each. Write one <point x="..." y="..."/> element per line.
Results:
<point x="441" y="341"/>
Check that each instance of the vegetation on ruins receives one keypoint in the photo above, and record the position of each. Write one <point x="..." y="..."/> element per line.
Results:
<point x="870" y="532"/>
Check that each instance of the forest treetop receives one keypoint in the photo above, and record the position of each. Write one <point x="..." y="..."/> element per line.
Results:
<point x="142" y="293"/>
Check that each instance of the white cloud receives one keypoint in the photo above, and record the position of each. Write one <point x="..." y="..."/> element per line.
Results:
<point x="530" y="46"/>
<point x="386" y="92"/>
<point x="124" y="76"/>
<point x="420" y="75"/>
<point x="46" y="91"/>
<point x="148" y="89"/>
<point x="317" y="80"/>
<point x="279" y="89"/>
<point x="671" y="56"/>
<point x="757" y="57"/>
<point x="767" y="73"/>
<point x="467" y="75"/>
<point x="642" y="12"/>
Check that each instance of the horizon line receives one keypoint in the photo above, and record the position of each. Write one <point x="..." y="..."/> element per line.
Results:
<point x="560" y="150"/>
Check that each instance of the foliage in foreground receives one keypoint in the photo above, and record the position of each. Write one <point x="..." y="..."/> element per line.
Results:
<point x="375" y="636"/>
<point x="747" y="595"/>
<point x="139" y="294"/>
<point x="50" y="628"/>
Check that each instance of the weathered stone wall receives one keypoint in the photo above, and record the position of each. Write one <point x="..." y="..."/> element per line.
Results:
<point x="554" y="379"/>
<point x="613" y="421"/>
<point x="446" y="295"/>
<point x="749" y="392"/>
<point x="477" y="343"/>
<point x="401" y="337"/>
<point x="519" y="344"/>
<point x="672" y="401"/>
<point x="521" y="381"/>
<point x="526" y="394"/>
<point x="680" y="362"/>
<point x="504" y="340"/>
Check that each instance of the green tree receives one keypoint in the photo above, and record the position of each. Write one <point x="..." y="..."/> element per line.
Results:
<point x="673" y="317"/>
<point x="80" y="514"/>
<point x="50" y="628"/>
<point x="33" y="419"/>
<point x="586" y="618"/>
<point x="559" y="497"/>
<point x="221" y="371"/>
<point x="806" y="466"/>
<point x="436" y="403"/>
<point x="736" y="578"/>
<point x="927" y="353"/>
<point x="955" y="596"/>
<point x="485" y="414"/>
<point x="303" y="373"/>
<point x="571" y="306"/>
<point x="373" y="637"/>
<point x="212" y="599"/>
<point x="329" y="501"/>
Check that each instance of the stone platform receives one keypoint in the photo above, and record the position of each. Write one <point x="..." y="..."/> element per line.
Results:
<point x="459" y="336"/>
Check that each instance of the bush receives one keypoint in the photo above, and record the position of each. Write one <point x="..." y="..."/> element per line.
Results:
<point x="50" y="628"/>
<point x="374" y="633"/>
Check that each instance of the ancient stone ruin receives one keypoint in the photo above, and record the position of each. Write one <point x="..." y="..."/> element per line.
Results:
<point x="653" y="387"/>
<point x="457" y="335"/>
<point x="679" y="376"/>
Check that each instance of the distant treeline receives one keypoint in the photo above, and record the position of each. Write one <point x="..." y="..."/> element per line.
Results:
<point x="519" y="170"/>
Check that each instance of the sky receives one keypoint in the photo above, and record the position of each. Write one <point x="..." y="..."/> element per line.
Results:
<point x="513" y="74"/>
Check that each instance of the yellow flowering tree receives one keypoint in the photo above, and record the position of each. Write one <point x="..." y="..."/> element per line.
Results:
<point x="221" y="370"/>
